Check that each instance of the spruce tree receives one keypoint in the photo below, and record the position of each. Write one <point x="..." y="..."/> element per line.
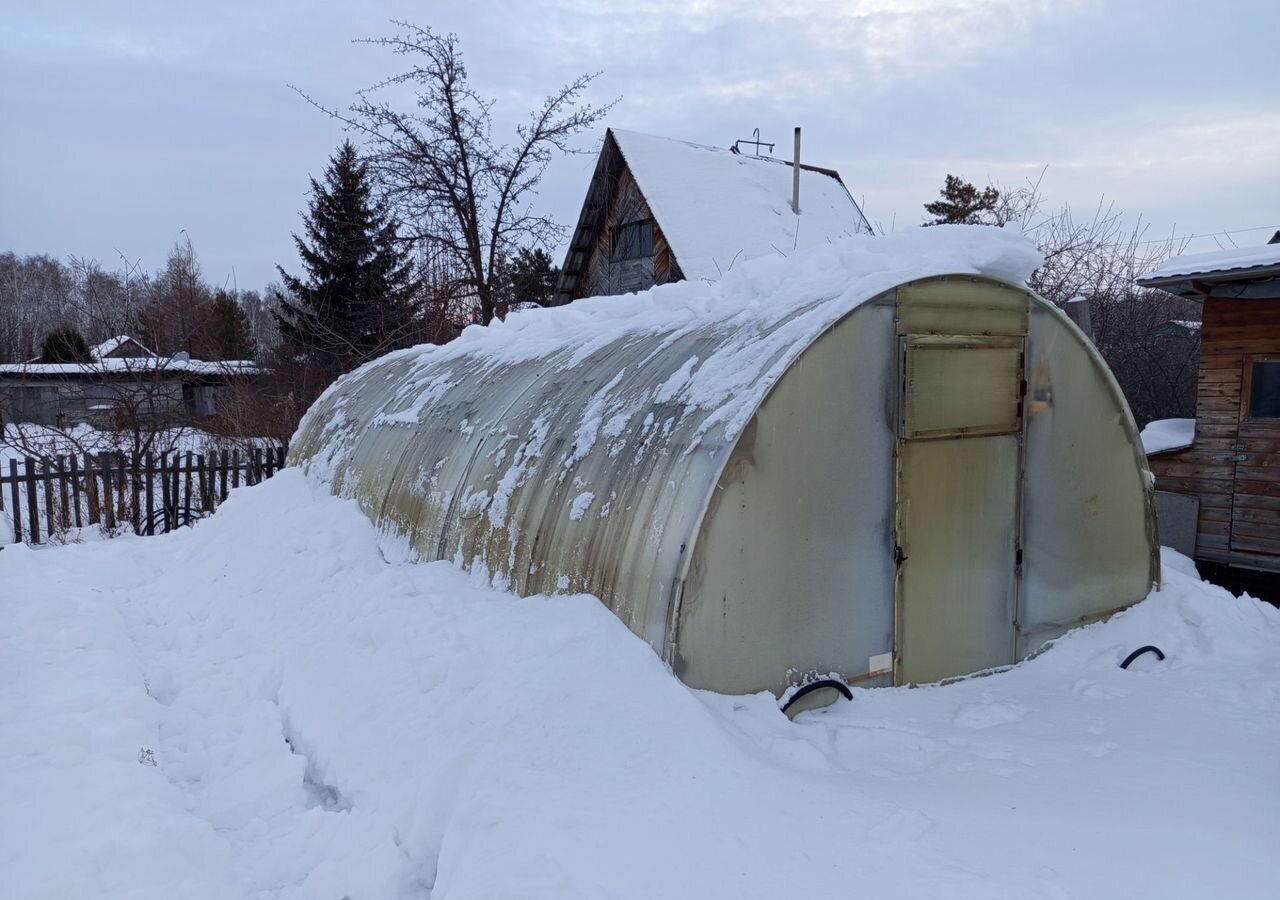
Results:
<point x="533" y="277"/>
<point x="961" y="203"/>
<point x="355" y="300"/>
<point x="229" y="335"/>
<point x="65" y="344"/>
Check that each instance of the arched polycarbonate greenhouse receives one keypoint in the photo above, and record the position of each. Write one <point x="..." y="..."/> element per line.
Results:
<point x="885" y="460"/>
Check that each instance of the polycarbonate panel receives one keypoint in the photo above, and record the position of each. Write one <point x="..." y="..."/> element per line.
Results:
<point x="960" y="386"/>
<point x="1089" y="533"/>
<point x="959" y="304"/>
<point x="958" y="506"/>
<point x="792" y="572"/>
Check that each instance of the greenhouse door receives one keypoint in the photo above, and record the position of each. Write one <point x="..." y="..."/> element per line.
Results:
<point x="958" y="464"/>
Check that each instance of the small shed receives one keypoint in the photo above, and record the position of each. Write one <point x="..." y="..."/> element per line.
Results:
<point x="659" y="210"/>
<point x="1228" y="459"/>
<point x="884" y="459"/>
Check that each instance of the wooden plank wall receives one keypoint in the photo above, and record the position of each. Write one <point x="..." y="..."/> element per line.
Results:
<point x="602" y="277"/>
<point x="1234" y="467"/>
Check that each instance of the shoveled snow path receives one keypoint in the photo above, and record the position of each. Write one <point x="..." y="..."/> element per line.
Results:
<point x="327" y="722"/>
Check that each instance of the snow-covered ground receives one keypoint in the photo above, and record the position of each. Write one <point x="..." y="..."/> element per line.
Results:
<point x="275" y="704"/>
<point x="20" y="441"/>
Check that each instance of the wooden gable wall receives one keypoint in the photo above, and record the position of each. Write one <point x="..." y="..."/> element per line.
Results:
<point x="1234" y="465"/>
<point x="601" y="276"/>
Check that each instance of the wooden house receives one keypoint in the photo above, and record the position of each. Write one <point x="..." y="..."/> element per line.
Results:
<point x="1229" y="465"/>
<point x="659" y="210"/>
<point x="123" y="382"/>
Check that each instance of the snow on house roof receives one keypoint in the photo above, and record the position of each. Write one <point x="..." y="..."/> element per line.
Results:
<point x="1238" y="260"/>
<point x="138" y="365"/>
<point x="717" y="208"/>
<point x="1164" y="435"/>
<point x="111" y="345"/>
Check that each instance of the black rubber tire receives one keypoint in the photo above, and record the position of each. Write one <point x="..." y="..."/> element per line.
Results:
<point x="1149" y="648"/>
<point x="818" y="685"/>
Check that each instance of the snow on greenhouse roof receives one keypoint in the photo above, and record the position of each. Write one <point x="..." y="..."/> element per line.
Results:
<point x="717" y="208"/>
<point x="742" y="332"/>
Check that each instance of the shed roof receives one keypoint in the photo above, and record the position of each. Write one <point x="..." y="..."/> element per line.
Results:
<point x="1182" y="274"/>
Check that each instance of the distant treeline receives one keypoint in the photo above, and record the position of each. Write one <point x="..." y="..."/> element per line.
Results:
<point x="171" y="310"/>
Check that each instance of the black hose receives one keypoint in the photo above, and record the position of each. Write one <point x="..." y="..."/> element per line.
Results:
<point x="815" y="686"/>
<point x="1149" y="648"/>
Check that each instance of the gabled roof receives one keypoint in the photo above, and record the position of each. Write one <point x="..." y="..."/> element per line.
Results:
<point x="1197" y="274"/>
<point x="111" y="345"/>
<point x="716" y="207"/>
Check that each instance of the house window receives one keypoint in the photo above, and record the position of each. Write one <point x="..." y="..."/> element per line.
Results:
<point x="1264" y="389"/>
<point x="632" y="241"/>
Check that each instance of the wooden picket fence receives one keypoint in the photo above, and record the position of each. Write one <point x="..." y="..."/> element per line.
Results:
<point x="48" y="497"/>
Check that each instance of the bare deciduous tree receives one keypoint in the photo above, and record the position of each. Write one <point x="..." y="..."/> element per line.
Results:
<point x="1150" y="339"/>
<point x="440" y="166"/>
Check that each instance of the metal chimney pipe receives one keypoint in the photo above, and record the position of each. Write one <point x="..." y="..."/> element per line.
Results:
<point x="795" y="176"/>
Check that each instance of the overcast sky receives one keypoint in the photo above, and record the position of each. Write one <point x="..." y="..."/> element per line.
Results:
<point x="124" y="123"/>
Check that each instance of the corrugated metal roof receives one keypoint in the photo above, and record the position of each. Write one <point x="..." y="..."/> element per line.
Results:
<point x="1237" y="260"/>
<point x="140" y="365"/>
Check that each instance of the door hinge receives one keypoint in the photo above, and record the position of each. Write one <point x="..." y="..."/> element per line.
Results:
<point x="898" y="556"/>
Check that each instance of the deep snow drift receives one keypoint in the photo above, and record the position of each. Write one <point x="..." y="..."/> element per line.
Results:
<point x="271" y="704"/>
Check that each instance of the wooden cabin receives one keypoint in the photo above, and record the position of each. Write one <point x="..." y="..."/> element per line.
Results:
<point x="659" y="210"/>
<point x="1230" y="464"/>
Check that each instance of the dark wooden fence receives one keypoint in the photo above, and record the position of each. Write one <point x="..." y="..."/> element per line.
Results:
<point x="50" y="496"/>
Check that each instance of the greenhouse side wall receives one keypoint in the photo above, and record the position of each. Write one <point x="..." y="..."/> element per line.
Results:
<point x="792" y="571"/>
<point x="1089" y="504"/>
